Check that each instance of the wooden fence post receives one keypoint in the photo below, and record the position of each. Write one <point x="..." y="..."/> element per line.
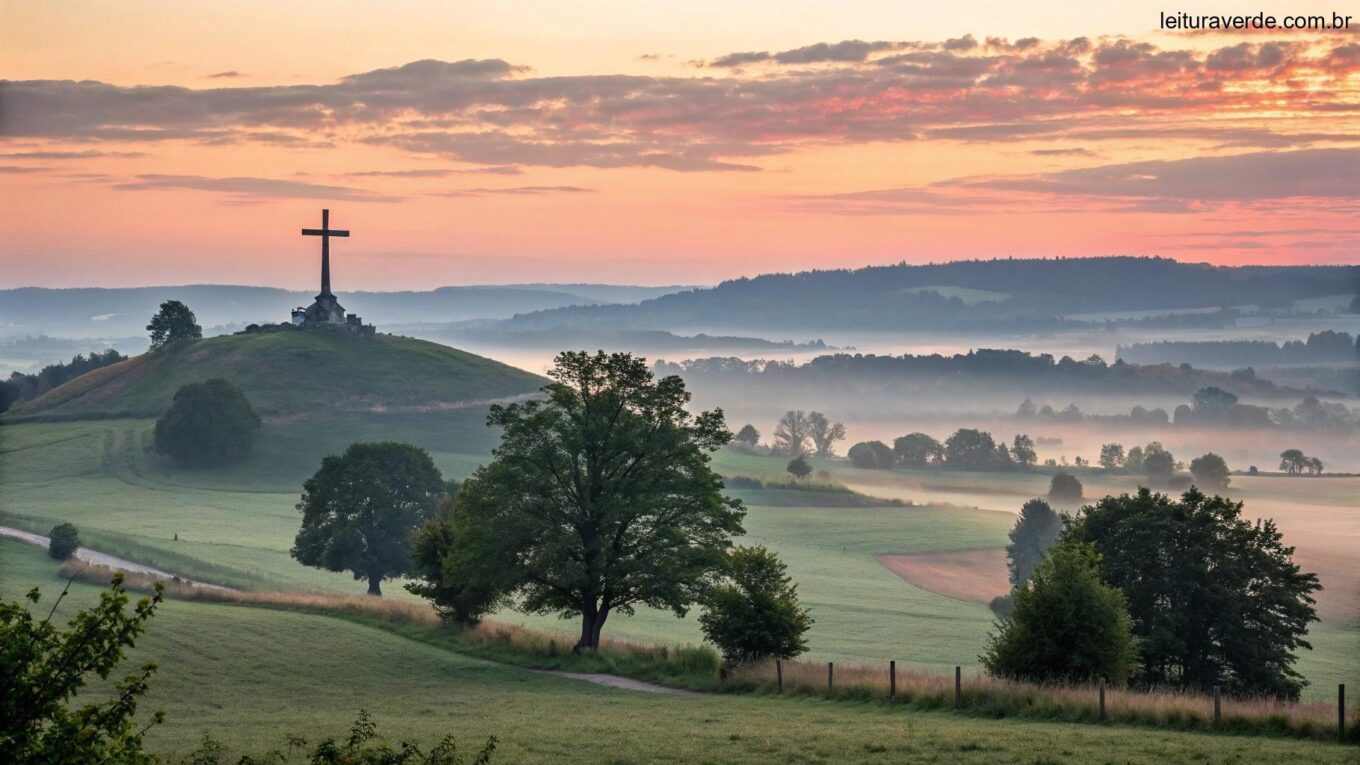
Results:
<point x="1102" y="699"/>
<point x="958" y="687"/>
<point x="1218" y="706"/>
<point x="1341" y="713"/>
<point x="830" y="675"/>
<point x="892" y="679"/>
<point x="779" y="674"/>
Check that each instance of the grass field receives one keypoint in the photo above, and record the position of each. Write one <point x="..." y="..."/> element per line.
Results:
<point x="249" y="676"/>
<point x="235" y="527"/>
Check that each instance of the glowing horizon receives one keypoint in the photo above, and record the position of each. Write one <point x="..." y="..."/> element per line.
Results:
<point x="619" y="146"/>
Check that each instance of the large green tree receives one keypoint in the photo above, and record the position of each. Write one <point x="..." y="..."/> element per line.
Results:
<point x="1210" y="472"/>
<point x="600" y="497"/>
<point x="172" y="323"/>
<point x="360" y="509"/>
<point x="43" y="668"/>
<point x="1035" y="530"/>
<point x="970" y="449"/>
<point x="1215" y="599"/>
<point x="208" y="423"/>
<point x="752" y="612"/>
<point x="1067" y="625"/>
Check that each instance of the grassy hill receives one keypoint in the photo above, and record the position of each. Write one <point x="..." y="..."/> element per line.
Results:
<point x="290" y="374"/>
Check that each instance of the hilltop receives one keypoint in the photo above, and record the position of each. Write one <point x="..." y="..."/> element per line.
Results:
<point x="290" y="374"/>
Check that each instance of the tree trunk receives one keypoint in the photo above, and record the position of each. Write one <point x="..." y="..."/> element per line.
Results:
<point x="373" y="588"/>
<point x="592" y="621"/>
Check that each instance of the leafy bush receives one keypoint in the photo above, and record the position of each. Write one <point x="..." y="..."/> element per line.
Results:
<point x="1066" y="626"/>
<point x="208" y="423"/>
<point x="42" y="669"/>
<point x="753" y="613"/>
<point x="64" y="539"/>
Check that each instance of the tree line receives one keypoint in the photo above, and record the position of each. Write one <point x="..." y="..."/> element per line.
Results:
<point x="1327" y="346"/>
<point x="1208" y="406"/>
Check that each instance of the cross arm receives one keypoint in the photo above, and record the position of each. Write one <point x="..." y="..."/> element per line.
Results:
<point x="324" y="232"/>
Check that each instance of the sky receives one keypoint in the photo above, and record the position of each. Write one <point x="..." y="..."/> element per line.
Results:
<point x="660" y="142"/>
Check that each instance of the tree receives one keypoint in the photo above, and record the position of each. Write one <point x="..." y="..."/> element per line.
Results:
<point x="1064" y="488"/>
<point x="1026" y="410"/>
<point x="748" y="435"/>
<point x="752" y="613"/>
<point x="871" y="455"/>
<point x="600" y="498"/>
<point x="1225" y="604"/>
<point x="1112" y="456"/>
<point x="1293" y="461"/>
<point x="172" y="323"/>
<point x="1157" y="461"/>
<point x="1315" y="466"/>
<point x="208" y="423"/>
<point x="63" y="541"/>
<point x="970" y="449"/>
<point x="1134" y="461"/>
<point x="42" y="670"/>
<point x="1034" y="532"/>
<point x="824" y="434"/>
<point x="1022" y="450"/>
<point x="462" y="587"/>
<point x="1212" y="401"/>
<point x="360" y="509"/>
<point x="1066" y="626"/>
<point x="1210" y="471"/>
<point x="791" y="434"/>
<point x="799" y="468"/>
<point x="917" y="450"/>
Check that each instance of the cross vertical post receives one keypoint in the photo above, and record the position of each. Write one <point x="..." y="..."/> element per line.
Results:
<point x="325" y="232"/>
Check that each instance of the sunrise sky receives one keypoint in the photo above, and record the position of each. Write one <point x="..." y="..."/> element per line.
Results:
<point x="659" y="142"/>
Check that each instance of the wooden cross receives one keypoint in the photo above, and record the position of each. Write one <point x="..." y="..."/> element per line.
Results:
<point x="325" y="232"/>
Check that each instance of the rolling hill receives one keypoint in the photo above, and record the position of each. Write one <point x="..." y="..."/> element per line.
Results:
<point x="291" y="374"/>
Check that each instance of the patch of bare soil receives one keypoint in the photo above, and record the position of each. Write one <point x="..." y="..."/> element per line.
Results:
<point x="974" y="575"/>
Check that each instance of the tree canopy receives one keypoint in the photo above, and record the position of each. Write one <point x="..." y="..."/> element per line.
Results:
<point x="1067" y="625"/>
<point x="208" y="423"/>
<point x="1210" y="472"/>
<point x="970" y="449"/>
<point x="1225" y="603"/>
<point x="824" y="434"/>
<point x="360" y="509"/>
<point x="1064" y="487"/>
<point x="1035" y="530"/>
<point x="799" y="468"/>
<point x="747" y="435"/>
<point x="917" y="450"/>
<point x="172" y="323"/>
<point x="599" y="498"/>
<point x="752" y="612"/>
<point x="871" y="455"/>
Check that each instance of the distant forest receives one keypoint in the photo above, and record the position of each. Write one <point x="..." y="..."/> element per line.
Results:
<point x="1320" y="348"/>
<point x="1018" y="371"/>
<point x="968" y="295"/>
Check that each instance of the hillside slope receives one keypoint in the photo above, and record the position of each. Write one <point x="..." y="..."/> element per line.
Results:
<point x="291" y="374"/>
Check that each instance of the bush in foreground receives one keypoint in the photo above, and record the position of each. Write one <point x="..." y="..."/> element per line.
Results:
<point x="753" y="612"/>
<point x="208" y="423"/>
<point x="42" y="670"/>
<point x="63" y="541"/>
<point x="1067" y="626"/>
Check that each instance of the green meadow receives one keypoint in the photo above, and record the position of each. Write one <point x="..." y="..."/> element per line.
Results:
<point x="251" y="676"/>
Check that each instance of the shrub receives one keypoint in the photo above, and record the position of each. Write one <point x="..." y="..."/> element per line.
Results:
<point x="1064" y="488"/>
<point x="753" y="613"/>
<point x="1067" y="625"/>
<point x="64" y="539"/>
<point x="208" y="423"/>
<point x="798" y="467"/>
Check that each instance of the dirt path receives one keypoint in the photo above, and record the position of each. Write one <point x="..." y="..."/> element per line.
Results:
<point x="622" y="683"/>
<point x="94" y="557"/>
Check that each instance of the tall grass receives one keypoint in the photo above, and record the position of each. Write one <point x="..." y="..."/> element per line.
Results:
<point x="697" y="668"/>
<point x="994" y="697"/>
<point x="694" y="667"/>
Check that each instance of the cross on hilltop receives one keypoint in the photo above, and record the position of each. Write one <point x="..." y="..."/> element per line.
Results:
<point x="326" y="311"/>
